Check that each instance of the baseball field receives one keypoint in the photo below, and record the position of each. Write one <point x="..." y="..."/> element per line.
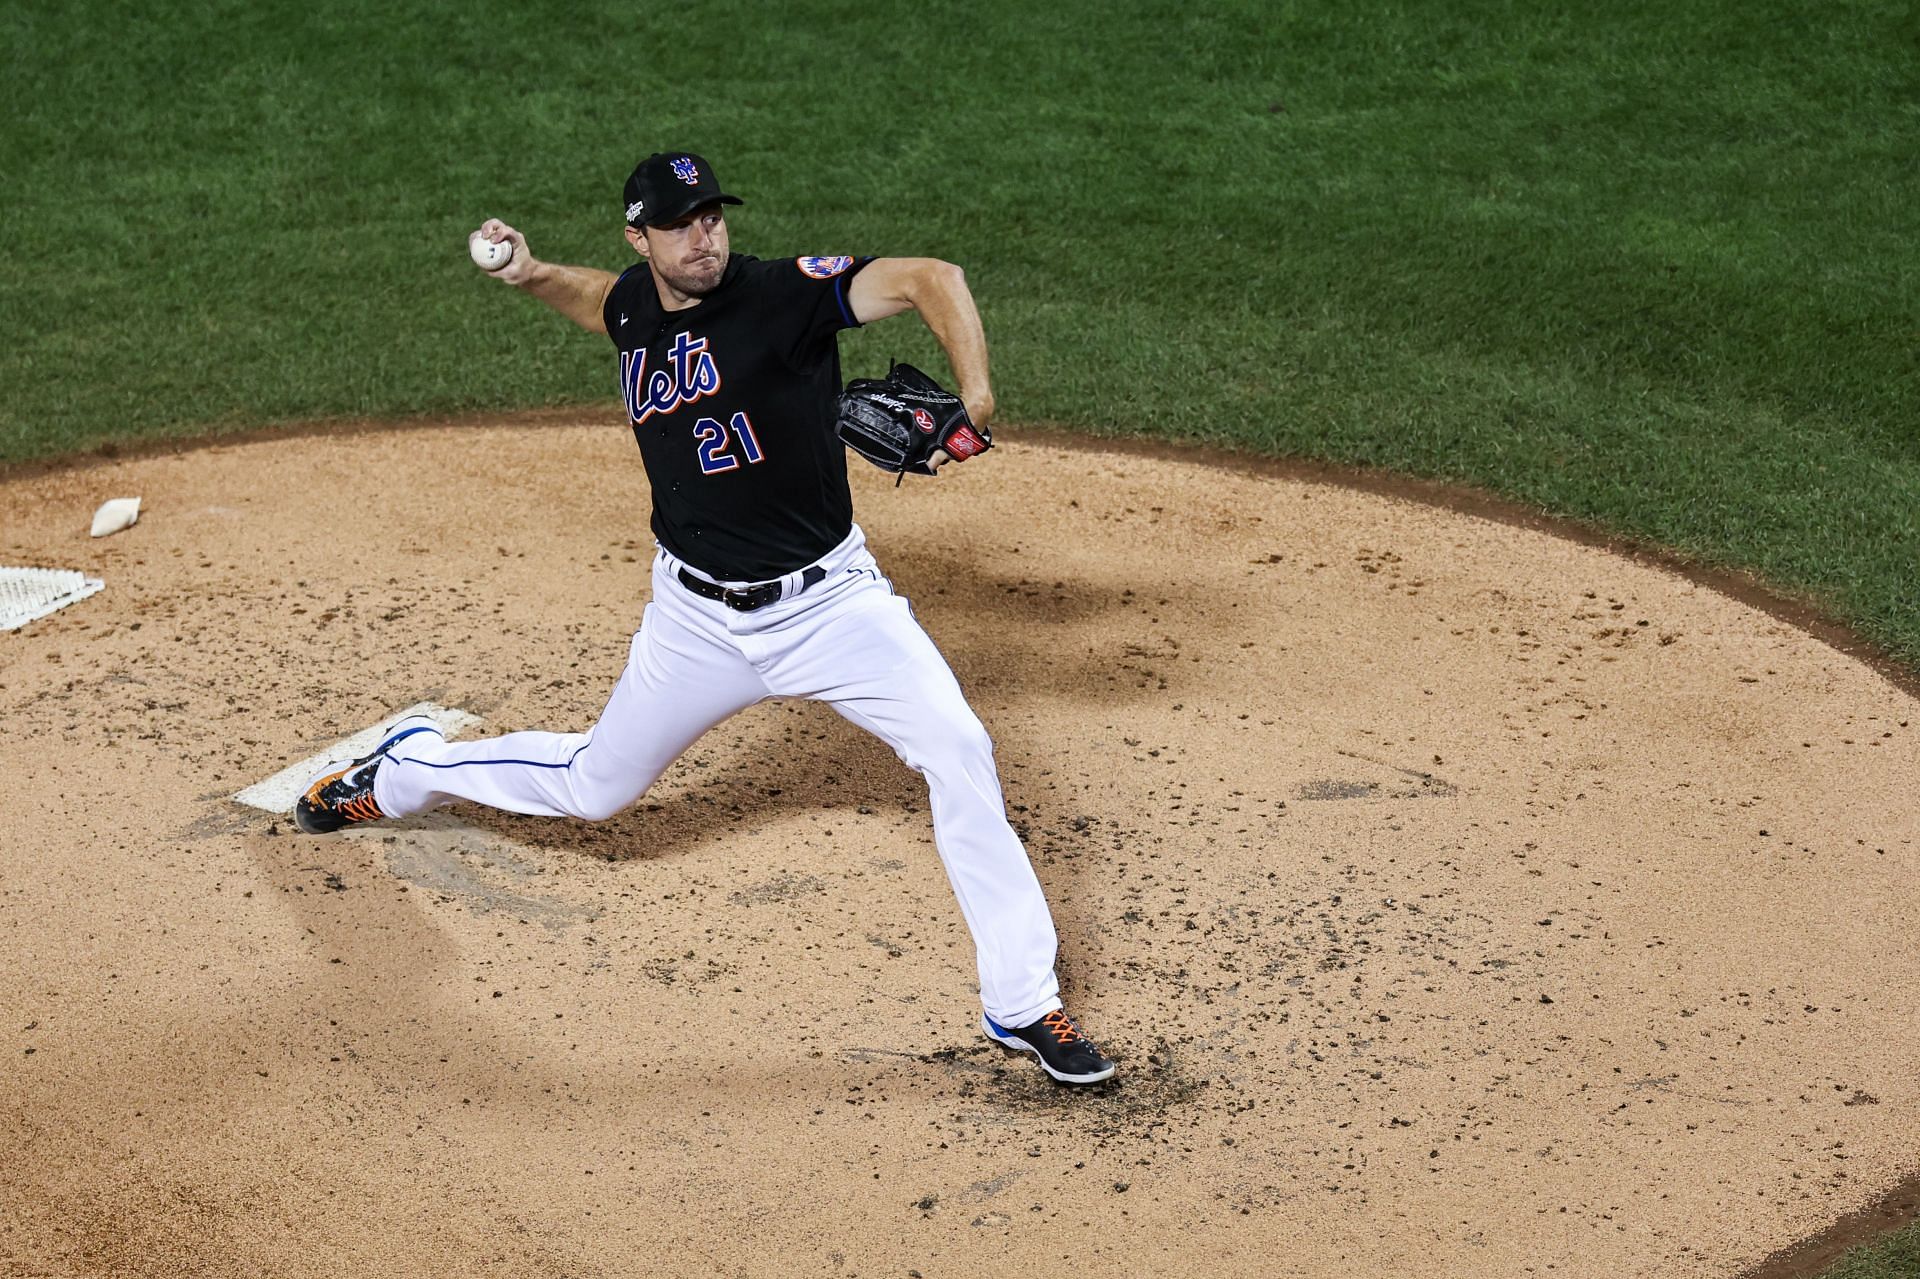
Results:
<point x="1446" y="597"/>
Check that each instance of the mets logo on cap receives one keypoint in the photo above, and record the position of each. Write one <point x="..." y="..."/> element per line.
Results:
<point x="822" y="268"/>
<point x="684" y="170"/>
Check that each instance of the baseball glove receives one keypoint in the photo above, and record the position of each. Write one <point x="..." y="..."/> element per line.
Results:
<point x="896" y="422"/>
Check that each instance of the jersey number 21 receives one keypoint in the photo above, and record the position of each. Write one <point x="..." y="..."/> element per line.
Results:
<point x="715" y="455"/>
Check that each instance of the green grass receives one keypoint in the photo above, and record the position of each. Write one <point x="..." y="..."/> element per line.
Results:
<point x="1895" y="1257"/>
<point x="1651" y="266"/>
<point x="1651" y="269"/>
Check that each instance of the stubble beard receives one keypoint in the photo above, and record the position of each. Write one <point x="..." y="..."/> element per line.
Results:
<point x="698" y="278"/>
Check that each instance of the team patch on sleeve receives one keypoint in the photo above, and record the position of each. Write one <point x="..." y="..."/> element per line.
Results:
<point x="822" y="268"/>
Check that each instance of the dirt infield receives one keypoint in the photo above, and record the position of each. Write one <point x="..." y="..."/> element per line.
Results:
<point x="1461" y="900"/>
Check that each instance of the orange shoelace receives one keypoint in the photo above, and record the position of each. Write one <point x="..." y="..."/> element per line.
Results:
<point x="1063" y="1030"/>
<point x="359" y="809"/>
<point x="362" y="809"/>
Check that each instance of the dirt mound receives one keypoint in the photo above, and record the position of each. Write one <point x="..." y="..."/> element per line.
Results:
<point x="1460" y="900"/>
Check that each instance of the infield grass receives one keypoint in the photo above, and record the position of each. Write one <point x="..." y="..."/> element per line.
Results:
<point x="1650" y="266"/>
<point x="1895" y="1257"/>
<point x="1647" y="265"/>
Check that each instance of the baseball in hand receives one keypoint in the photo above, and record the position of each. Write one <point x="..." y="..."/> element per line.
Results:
<point x="487" y="255"/>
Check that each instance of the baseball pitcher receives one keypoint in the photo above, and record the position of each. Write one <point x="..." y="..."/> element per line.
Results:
<point x="763" y="586"/>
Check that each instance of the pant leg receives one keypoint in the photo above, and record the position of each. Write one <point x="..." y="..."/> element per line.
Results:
<point x="870" y="659"/>
<point x="680" y="680"/>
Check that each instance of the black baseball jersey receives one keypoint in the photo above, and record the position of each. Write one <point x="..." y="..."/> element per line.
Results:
<point x="732" y="402"/>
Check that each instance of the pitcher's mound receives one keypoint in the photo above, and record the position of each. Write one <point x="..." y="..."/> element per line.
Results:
<point x="1458" y="899"/>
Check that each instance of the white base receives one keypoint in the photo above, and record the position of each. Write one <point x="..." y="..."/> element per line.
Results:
<point x="27" y="593"/>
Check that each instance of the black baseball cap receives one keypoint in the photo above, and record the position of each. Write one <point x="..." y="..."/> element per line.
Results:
<point x="668" y="185"/>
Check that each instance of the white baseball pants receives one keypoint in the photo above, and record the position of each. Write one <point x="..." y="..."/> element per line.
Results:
<point x="849" y="641"/>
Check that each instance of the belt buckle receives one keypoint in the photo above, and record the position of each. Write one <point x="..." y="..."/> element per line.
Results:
<point x="739" y="599"/>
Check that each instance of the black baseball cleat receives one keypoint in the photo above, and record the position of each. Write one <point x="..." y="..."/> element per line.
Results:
<point x="1064" y="1052"/>
<point x="342" y="795"/>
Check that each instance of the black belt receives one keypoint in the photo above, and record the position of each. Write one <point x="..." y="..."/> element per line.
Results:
<point x="747" y="598"/>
